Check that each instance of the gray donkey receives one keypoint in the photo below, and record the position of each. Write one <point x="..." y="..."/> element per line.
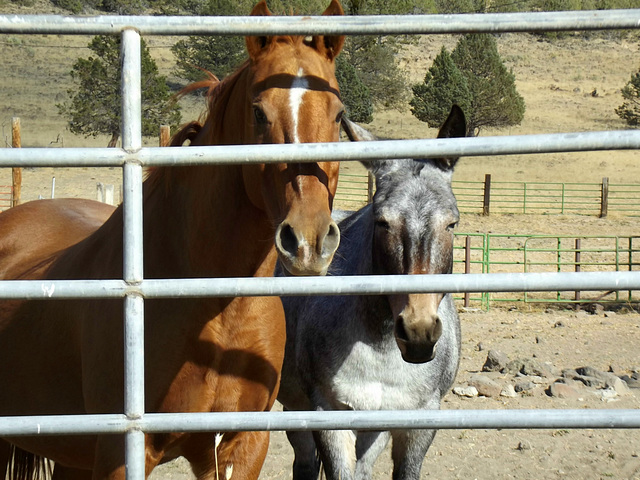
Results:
<point x="378" y="352"/>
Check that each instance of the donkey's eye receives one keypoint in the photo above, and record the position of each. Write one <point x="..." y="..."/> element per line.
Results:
<point x="452" y="226"/>
<point x="259" y="115"/>
<point x="383" y="224"/>
<point x="339" y="116"/>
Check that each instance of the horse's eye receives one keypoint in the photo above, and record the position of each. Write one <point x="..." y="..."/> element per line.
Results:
<point x="452" y="226"/>
<point x="339" y="116"/>
<point x="259" y="115"/>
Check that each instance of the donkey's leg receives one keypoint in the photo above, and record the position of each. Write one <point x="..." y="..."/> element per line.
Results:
<point x="408" y="452"/>
<point x="337" y="452"/>
<point x="369" y="446"/>
<point x="306" y="464"/>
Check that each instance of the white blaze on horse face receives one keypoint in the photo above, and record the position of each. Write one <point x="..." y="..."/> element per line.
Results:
<point x="299" y="87"/>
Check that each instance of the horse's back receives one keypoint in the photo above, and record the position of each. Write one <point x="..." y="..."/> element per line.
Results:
<point x="34" y="231"/>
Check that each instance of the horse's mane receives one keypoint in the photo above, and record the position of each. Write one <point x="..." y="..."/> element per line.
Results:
<point x="218" y="95"/>
<point x="188" y="132"/>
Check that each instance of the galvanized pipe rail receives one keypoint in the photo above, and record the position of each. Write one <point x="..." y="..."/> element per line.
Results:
<point x="348" y="285"/>
<point x="327" y="420"/>
<point x="322" y="152"/>
<point x="314" y="25"/>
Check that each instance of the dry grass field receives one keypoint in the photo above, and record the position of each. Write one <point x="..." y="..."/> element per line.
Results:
<point x="556" y="80"/>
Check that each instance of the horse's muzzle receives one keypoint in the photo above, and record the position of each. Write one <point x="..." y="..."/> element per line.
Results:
<point x="307" y="252"/>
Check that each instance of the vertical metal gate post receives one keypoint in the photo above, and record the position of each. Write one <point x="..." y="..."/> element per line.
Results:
<point x="133" y="251"/>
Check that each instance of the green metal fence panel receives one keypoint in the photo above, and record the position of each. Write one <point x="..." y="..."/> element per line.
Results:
<point x="498" y="253"/>
<point x="547" y="198"/>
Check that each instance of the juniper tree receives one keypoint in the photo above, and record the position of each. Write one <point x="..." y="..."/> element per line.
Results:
<point x="94" y="106"/>
<point x="444" y="85"/>
<point x="490" y="98"/>
<point x="355" y="94"/>
<point x="629" y="111"/>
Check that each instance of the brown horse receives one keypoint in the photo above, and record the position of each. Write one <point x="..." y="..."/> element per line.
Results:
<point x="50" y="226"/>
<point x="208" y="354"/>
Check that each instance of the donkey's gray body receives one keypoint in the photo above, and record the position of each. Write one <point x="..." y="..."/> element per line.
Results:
<point x="348" y="352"/>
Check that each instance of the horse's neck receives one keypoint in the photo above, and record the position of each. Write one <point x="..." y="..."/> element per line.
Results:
<point x="201" y="223"/>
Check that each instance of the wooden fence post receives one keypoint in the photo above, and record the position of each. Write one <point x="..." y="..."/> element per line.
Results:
<point x="604" y="199"/>
<point x="16" y="172"/>
<point x="105" y="193"/>
<point x="577" y="268"/>
<point x="370" y="182"/>
<point x="487" y="194"/>
<point x="165" y="135"/>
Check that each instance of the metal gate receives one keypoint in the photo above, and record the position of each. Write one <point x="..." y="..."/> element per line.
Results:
<point x="134" y="422"/>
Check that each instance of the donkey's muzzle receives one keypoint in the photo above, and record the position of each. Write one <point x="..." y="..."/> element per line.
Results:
<point x="418" y="328"/>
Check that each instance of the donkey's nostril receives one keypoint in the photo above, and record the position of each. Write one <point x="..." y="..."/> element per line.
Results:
<point x="288" y="239"/>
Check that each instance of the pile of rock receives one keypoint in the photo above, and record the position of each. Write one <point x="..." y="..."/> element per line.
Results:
<point x="502" y="377"/>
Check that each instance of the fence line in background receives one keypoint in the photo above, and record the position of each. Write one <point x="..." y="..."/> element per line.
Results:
<point x="490" y="196"/>
<point x="501" y="253"/>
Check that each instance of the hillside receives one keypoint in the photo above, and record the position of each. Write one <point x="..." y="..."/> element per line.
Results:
<point x="571" y="84"/>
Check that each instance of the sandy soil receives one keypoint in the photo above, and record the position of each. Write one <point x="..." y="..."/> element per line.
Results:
<point x="556" y="79"/>
<point x="576" y="454"/>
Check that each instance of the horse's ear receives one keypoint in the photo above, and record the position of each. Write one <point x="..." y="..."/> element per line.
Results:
<point x="330" y="45"/>
<point x="455" y="126"/>
<point x="256" y="44"/>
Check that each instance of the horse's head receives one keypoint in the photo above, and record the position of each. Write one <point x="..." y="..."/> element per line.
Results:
<point x="414" y="212"/>
<point x="292" y="96"/>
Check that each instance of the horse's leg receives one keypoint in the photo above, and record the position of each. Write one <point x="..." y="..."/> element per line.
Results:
<point x="306" y="464"/>
<point x="408" y="452"/>
<point x="337" y="452"/>
<point x="239" y="455"/>
<point x="110" y="455"/>
<point x="369" y="446"/>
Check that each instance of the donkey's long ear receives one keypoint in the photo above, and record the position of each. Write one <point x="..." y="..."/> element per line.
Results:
<point x="355" y="132"/>
<point x="256" y="44"/>
<point x="358" y="134"/>
<point x="454" y="126"/>
<point x="330" y="45"/>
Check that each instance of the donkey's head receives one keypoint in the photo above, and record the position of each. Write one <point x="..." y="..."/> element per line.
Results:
<point x="415" y="212"/>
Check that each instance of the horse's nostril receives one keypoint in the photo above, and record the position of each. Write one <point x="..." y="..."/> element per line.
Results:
<point x="331" y="240"/>
<point x="288" y="239"/>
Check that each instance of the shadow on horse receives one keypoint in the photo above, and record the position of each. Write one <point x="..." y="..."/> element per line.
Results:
<point x="205" y="354"/>
<point x="390" y="352"/>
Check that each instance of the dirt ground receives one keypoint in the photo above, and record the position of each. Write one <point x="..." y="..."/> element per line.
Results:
<point x="565" y="339"/>
<point x="558" y="81"/>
